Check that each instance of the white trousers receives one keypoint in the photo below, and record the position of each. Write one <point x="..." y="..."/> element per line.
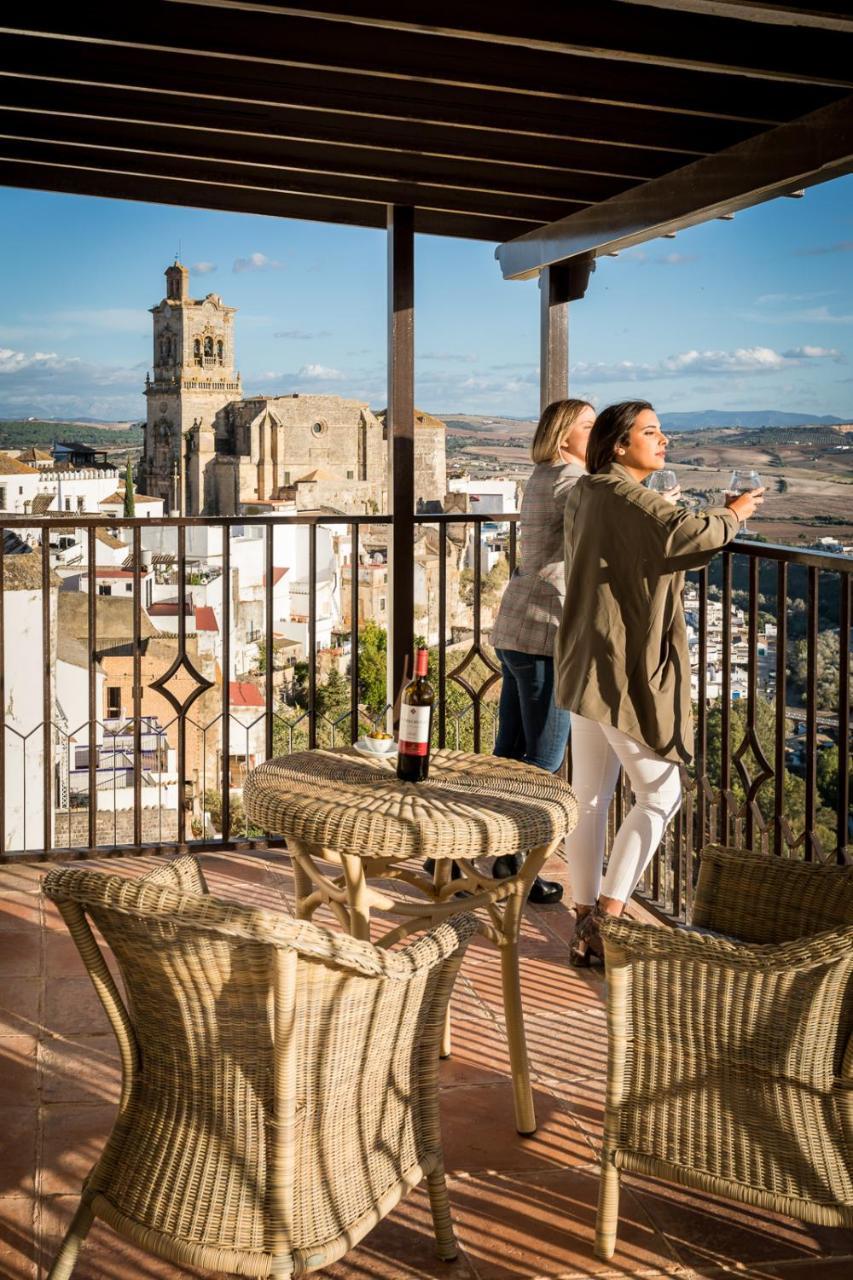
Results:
<point x="598" y="751"/>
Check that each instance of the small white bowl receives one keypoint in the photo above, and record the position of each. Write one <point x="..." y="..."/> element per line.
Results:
<point x="376" y="746"/>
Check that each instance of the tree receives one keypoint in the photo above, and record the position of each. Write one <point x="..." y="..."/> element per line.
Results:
<point x="794" y="788"/>
<point x="826" y="670"/>
<point x="129" y="493"/>
<point x="372" y="659"/>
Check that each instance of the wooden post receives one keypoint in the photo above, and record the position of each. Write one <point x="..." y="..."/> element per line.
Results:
<point x="401" y="438"/>
<point x="560" y="284"/>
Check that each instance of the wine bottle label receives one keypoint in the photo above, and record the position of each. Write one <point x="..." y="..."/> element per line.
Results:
<point x="414" y="730"/>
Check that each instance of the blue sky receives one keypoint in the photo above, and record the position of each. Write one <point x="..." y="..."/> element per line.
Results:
<point x="750" y="314"/>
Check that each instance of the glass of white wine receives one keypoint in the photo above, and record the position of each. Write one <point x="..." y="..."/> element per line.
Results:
<point x="662" y="481"/>
<point x="743" y="482"/>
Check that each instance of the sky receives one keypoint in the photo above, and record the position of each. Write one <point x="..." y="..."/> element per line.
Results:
<point x="756" y="313"/>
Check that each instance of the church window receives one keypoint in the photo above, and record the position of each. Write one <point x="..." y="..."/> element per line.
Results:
<point x="319" y="427"/>
<point x="197" y="350"/>
<point x="2" y="496"/>
<point x="350" y="475"/>
<point x="208" y="348"/>
<point x="220" y="352"/>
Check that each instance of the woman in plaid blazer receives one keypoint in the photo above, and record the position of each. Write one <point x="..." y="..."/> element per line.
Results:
<point x="530" y="726"/>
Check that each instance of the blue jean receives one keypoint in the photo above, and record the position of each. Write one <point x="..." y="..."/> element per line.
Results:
<point x="530" y="726"/>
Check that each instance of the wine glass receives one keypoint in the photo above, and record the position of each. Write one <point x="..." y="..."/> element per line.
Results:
<point x="743" y="482"/>
<point x="662" y="482"/>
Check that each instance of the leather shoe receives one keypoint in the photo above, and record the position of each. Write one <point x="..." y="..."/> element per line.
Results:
<point x="543" y="893"/>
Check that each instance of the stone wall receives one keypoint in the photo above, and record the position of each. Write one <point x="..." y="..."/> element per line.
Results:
<point x="72" y="827"/>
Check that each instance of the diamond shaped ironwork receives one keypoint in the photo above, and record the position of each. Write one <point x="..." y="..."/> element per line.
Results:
<point x="457" y="674"/>
<point x="182" y="662"/>
<point x="765" y="770"/>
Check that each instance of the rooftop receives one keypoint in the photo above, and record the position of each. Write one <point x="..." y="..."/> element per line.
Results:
<point x="524" y="1208"/>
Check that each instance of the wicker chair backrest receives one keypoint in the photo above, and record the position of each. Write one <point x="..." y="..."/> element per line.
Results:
<point x="762" y="898"/>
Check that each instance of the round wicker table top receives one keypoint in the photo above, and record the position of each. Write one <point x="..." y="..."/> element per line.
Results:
<point x="471" y="805"/>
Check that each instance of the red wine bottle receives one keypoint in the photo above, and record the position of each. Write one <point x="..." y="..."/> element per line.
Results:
<point x="415" y="724"/>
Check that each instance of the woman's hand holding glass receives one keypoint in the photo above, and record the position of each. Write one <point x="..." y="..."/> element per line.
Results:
<point x="744" y="495"/>
<point x="665" y="482"/>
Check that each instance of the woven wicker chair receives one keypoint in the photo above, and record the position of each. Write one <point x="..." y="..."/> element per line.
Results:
<point x="731" y="1058"/>
<point x="279" y="1088"/>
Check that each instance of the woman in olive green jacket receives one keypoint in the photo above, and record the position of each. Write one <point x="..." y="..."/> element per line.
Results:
<point x="622" y="666"/>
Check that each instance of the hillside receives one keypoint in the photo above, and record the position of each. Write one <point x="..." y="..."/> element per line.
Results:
<point x="18" y="434"/>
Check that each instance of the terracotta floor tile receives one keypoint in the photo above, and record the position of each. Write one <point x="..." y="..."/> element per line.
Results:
<point x="19" y="1007"/>
<point x="73" y="1137"/>
<point x="71" y="1005"/>
<point x="79" y="1068"/>
<point x="584" y="1100"/>
<point x="401" y="1247"/>
<point x="478" y="1126"/>
<point x="543" y="1225"/>
<point x="17" y="1238"/>
<point x="568" y="1048"/>
<point x="104" y="1255"/>
<point x="20" y="911"/>
<point x="22" y="877"/>
<point x="804" y="1269"/>
<point x="18" y="1070"/>
<point x="709" y="1231"/>
<point x="549" y="986"/>
<point x="20" y="954"/>
<point x="479" y="1053"/>
<point x="18" y="1134"/>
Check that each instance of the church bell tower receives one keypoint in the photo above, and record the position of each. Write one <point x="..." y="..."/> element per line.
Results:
<point x="193" y="379"/>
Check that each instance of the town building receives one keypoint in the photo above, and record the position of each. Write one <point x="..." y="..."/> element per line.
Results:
<point x="209" y="451"/>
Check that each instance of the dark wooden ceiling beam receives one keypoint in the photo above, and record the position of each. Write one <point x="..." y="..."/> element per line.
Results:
<point x="259" y="40"/>
<point x="835" y="17"/>
<point x="132" y="184"/>
<point x="233" y="147"/>
<point x="337" y="103"/>
<point x="710" y="40"/>
<point x="796" y="155"/>
<point x="179" y="166"/>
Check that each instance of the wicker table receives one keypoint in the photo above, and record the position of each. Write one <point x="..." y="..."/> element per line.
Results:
<point x="350" y="810"/>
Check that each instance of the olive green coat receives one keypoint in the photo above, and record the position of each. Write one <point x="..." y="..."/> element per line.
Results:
<point x="621" y="654"/>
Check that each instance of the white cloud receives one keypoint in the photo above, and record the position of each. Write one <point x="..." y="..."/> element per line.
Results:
<point x="43" y="383"/>
<point x="814" y="353"/>
<point x="743" y="360"/>
<point x="320" y="373"/>
<point x="204" y="268"/>
<point x="256" y="262"/>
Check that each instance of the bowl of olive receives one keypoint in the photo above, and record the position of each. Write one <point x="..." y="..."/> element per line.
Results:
<point x="377" y="743"/>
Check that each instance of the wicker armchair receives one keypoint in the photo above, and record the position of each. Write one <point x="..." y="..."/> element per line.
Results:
<point x="730" y="1062"/>
<point x="279" y="1081"/>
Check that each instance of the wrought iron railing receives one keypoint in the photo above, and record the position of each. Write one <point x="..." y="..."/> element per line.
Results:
<point x="225" y="682"/>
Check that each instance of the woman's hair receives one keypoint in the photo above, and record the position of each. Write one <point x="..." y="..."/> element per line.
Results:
<point x="555" y="423"/>
<point x="612" y="427"/>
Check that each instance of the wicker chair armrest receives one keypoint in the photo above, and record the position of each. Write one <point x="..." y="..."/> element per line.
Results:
<point x="221" y="918"/>
<point x="706" y="1002"/>
<point x="643" y="942"/>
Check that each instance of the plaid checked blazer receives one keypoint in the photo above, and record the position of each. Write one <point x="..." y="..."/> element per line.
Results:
<point x="532" y="604"/>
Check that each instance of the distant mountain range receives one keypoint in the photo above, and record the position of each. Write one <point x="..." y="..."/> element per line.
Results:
<point x="753" y="418"/>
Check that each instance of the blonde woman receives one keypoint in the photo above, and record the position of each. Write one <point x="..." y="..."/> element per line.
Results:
<point x="623" y="667"/>
<point x="530" y="726"/>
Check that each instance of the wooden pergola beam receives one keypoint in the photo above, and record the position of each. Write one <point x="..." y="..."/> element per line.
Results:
<point x="607" y="30"/>
<point x="814" y="149"/>
<point x="832" y="15"/>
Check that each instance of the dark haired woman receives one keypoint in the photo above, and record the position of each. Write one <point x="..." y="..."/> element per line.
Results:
<point x="531" y="726"/>
<point x="622" y="663"/>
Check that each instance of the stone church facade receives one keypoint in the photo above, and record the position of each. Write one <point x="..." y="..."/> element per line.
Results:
<point x="207" y="450"/>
